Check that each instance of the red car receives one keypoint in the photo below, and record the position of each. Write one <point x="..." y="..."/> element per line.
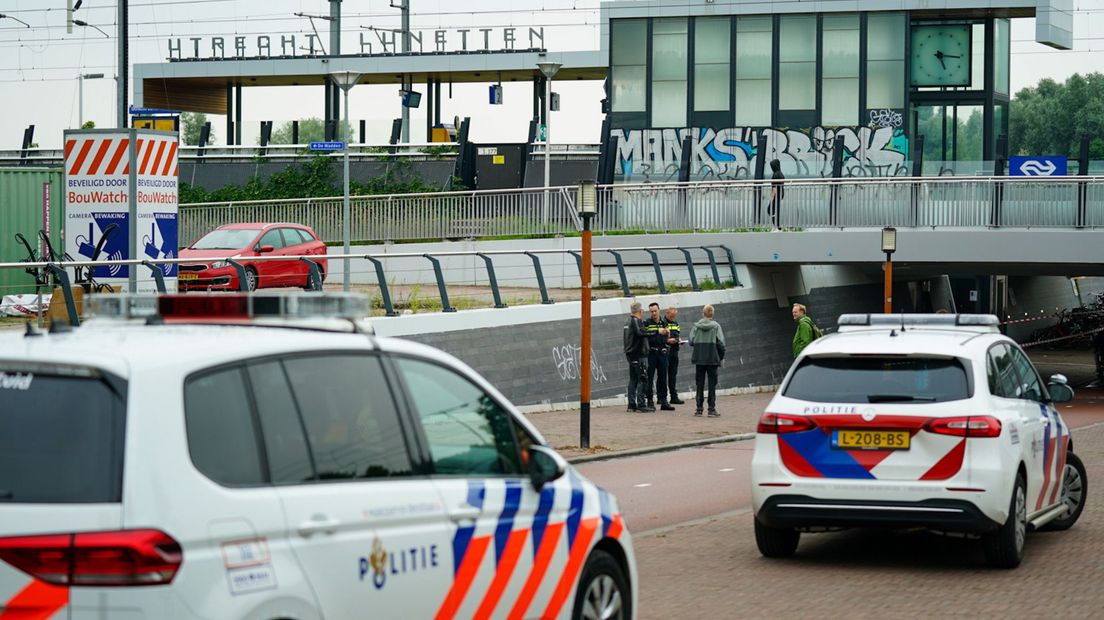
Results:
<point x="244" y="241"/>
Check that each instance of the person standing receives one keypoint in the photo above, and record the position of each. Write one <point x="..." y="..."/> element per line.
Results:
<point x="636" y="352"/>
<point x="707" y="341"/>
<point x="657" y="357"/>
<point x="674" y="336"/>
<point x="778" y="192"/>
<point x="807" y="331"/>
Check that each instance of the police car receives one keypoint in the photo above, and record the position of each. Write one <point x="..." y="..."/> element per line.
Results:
<point x="936" y="421"/>
<point x="210" y="457"/>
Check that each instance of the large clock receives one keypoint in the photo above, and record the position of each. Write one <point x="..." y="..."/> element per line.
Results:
<point x="941" y="54"/>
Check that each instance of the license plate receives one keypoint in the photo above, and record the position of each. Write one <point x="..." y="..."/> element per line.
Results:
<point x="189" y="276"/>
<point x="870" y="440"/>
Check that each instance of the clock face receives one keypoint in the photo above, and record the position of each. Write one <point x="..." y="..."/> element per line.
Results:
<point x="941" y="55"/>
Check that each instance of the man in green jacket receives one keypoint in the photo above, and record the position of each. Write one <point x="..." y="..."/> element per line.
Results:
<point x="707" y="340"/>
<point x="806" y="330"/>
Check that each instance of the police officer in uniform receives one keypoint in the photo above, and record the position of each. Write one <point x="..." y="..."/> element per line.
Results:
<point x="657" y="356"/>
<point x="636" y="352"/>
<point x="674" y="336"/>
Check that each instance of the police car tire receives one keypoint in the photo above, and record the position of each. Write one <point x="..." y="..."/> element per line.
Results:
<point x="1066" y="522"/>
<point x="776" y="542"/>
<point x="1004" y="548"/>
<point x="598" y="565"/>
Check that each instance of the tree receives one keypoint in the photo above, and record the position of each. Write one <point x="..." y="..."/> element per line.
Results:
<point x="89" y="125"/>
<point x="310" y="130"/>
<point x="1049" y="118"/>
<point x="191" y="124"/>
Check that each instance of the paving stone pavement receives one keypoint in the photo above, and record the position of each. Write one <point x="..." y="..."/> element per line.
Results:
<point x="712" y="569"/>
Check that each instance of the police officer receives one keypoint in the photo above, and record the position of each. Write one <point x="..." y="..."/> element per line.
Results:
<point x="657" y="356"/>
<point x="674" y="337"/>
<point x="636" y="352"/>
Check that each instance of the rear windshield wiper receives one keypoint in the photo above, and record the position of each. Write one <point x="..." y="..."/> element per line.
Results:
<point x="898" y="398"/>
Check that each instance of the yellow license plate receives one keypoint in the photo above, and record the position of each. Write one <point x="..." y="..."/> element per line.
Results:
<point x="189" y="276"/>
<point x="870" y="440"/>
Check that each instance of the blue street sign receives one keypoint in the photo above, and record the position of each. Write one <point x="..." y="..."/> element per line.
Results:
<point x="149" y="111"/>
<point x="327" y="146"/>
<point x="1047" y="166"/>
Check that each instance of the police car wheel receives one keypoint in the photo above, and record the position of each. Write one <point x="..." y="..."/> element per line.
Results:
<point x="776" y="542"/>
<point x="603" y="590"/>
<point x="1075" y="485"/>
<point x="1004" y="548"/>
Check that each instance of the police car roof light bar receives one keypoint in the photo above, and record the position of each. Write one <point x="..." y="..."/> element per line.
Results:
<point x="919" y="320"/>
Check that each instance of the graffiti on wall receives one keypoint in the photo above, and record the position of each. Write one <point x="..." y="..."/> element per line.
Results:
<point x="655" y="154"/>
<point x="568" y="360"/>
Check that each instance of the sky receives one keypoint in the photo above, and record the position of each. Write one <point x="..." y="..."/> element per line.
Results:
<point x="39" y="64"/>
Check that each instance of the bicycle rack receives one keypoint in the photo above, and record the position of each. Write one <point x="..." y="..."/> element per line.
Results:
<point x="158" y="276"/>
<point x="243" y="277"/>
<point x="540" y="278"/>
<point x="493" y="280"/>
<point x="314" y="278"/>
<point x="382" y="280"/>
<point x="67" y="291"/>
<point x="658" y="271"/>
<point x="690" y="267"/>
<point x="445" y="305"/>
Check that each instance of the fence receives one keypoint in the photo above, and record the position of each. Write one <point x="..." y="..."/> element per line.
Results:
<point x="975" y="202"/>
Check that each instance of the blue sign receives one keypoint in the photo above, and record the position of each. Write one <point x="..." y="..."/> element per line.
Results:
<point x="150" y="111"/>
<point x="495" y="94"/>
<point x="327" y="146"/>
<point x="1048" y="166"/>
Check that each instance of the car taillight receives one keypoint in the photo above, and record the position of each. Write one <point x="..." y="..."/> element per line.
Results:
<point x="965" y="426"/>
<point x="119" y="558"/>
<point x="777" y="423"/>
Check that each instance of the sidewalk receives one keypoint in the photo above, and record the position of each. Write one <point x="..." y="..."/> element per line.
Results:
<point x="616" y="432"/>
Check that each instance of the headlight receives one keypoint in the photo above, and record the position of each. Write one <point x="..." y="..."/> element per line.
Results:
<point x="219" y="264"/>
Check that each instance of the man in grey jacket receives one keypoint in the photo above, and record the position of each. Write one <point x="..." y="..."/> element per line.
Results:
<point x="636" y="352"/>
<point x="707" y="340"/>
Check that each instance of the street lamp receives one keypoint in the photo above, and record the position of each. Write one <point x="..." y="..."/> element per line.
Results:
<point x="889" y="246"/>
<point x="586" y="202"/>
<point x="345" y="80"/>
<point x="80" y="94"/>
<point x="549" y="69"/>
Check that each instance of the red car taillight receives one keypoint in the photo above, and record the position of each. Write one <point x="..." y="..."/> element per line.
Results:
<point x="778" y="423"/>
<point x="119" y="558"/>
<point x="965" y="426"/>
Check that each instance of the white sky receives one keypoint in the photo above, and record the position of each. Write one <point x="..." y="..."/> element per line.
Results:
<point x="39" y="65"/>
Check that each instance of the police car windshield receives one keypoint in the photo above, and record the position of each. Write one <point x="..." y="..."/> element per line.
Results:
<point x="226" y="239"/>
<point x="61" y="437"/>
<point x="879" y="380"/>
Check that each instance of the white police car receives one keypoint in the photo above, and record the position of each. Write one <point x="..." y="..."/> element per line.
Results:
<point x="177" y="469"/>
<point x="936" y="421"/>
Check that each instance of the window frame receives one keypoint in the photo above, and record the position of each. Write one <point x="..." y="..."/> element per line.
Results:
<point x="279" y="235"/>
<point x="991" y="365"/>
<point x="406" y="396"/>
<point x="1019" y="357"/>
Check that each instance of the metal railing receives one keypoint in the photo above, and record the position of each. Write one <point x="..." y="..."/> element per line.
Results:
<point x="973" y="202"/>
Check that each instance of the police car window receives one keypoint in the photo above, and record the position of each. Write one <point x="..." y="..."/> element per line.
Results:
<point x="879" y="380"/>
<point x="1004" y="381"/>
<point x="1031" y="388"/>
<point x="284" y="439"/>
<point x="352" y="424"/>
<point x="61" y="437"/>
<point x="468" y="433"/>
<point x="222" y="437"/>
<point x="272" y="238"/>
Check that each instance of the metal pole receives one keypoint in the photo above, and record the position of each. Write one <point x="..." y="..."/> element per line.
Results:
<point x="888" y="284"/>
<point x="406" y="84"/>
<point x="547" y="149"/>
<point x="132" y="199"/>
<point x="346" y="279"/>
<point x="584" y="361"/>
<point x="80" y="101"/>
<point x="124" y="71"/>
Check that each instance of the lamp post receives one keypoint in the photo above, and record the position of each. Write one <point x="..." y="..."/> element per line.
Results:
<point x="549" y="69"/>
<point x="80" y="94"/>
<point x="889" y="246"/>
<point x="345" y="80"/>
<point x="586" y="201"/>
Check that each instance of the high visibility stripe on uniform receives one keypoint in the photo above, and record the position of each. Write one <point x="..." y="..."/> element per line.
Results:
<point x="548" y="545"/>
<point x="465" y="575"/>
<point x="506" y="564"/>
<point x="574" y="565"/>
<point x="38" y="601"/>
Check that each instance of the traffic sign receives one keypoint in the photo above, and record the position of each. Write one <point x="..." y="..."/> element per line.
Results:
<point x="1047" y="166"/>
<point x="327" y="146"/>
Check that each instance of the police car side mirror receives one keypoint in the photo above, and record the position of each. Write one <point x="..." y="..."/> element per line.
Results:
<point x="1060" y="392"/>
<point x="545" y="466"/>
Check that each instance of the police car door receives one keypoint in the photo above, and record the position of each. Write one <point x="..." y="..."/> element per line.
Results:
<point x="371" y="536"/>
<point x="508" y="551"/>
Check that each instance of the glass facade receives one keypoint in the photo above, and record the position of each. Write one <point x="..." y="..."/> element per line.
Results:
<point x="797" y="37"/>
<point x="629" y="64"/>
<point x="712" y="54"/>
<point x="754" y="61"/>
<point x="840" y="69"/>
<point x="885" y="61"/>
<point x="670" y="39"/>
<point x="1001" y="43"/>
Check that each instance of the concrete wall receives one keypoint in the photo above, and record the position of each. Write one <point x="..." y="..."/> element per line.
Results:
<point x="214" y="174"/>
<point x="532" y="353"/>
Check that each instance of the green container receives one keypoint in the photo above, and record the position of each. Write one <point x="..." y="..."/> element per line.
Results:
<point x="21" y="211"/>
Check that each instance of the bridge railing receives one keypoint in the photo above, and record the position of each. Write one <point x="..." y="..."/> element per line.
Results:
<point x="975" y="202"/>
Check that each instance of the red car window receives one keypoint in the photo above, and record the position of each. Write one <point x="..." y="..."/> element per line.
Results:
<point x="272" y="238"/>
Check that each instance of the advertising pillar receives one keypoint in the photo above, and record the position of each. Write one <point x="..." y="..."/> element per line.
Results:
<point x="121" y="194"/>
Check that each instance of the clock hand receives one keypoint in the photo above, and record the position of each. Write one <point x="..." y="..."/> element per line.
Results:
<point x="950" y="56"/>
<point x="939" y="57"/>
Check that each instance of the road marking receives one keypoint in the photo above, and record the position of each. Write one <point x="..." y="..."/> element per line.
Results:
<point x="727" y="469"/>
<point x="642" y="485"/>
